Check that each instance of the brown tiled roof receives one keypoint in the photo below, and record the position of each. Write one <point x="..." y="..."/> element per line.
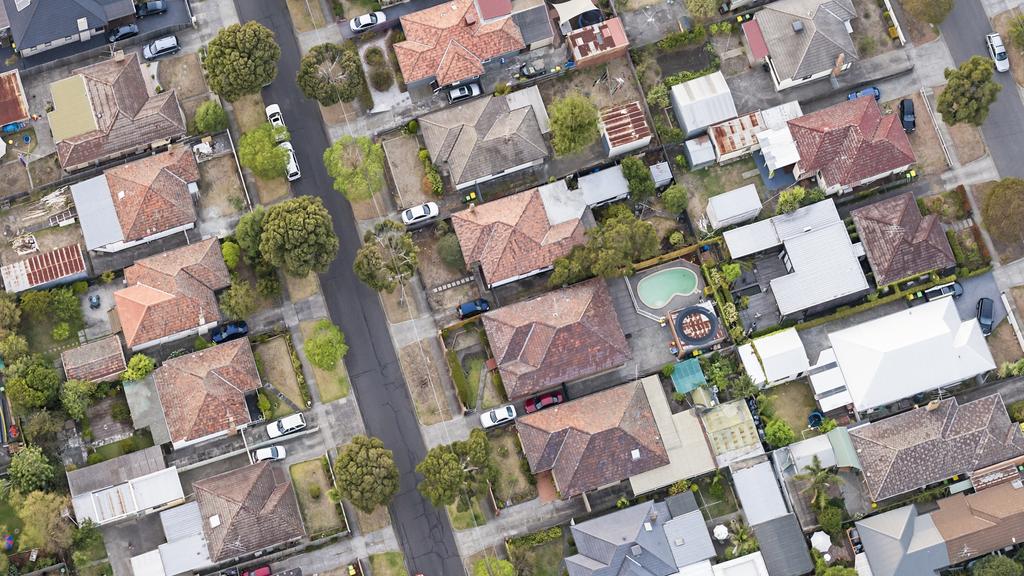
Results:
<point x="590" y="442"/>
<point x="126" y="115"/>
<point x="513" y="236"/>
<point x="850" y="142"/>
<point x="901" y="243"/>
<point x="917" y="448"/>
<point x="13" y="106"/>
<point x="44" y="268"/>
<point x="203" y="393"/>
<point x="171" y="292"/>
<point x="976" y="524"/>
<point x="151" y="195"/>
<point x="450" y="43"/>
<point x="597" y="39"/>
<point x="557" y="337"/>
<point x="624" y="124"/>
<point x="247" y="510"/>
<point x="96" y="361"/>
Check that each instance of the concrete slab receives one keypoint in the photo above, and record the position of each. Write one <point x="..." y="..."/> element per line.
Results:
<point x="978" y="287"/>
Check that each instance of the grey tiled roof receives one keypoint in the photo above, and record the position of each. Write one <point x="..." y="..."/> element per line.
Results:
<point x="116" y="470"/>
<point x="535" y="24"/>
<point x="44" y="21"/>
<point x="783" y="546"/>
<point x="824" y="36"/>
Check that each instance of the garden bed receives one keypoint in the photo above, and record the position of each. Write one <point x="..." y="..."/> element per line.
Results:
<point x="311" y="481"/>
<point x="331" y="384"/>
<point x="140" y="441"/>
<point x="540" y="553"/>
<point x="968" y="250"/>
<point x="950" y="206"/>
<point x="715" y="504"/>
<point x="871" y="29"/>
<point x="274" y="359"/>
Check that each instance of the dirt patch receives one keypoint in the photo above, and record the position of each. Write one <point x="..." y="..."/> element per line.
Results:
<point x="379" y="520"/>
<point x="1008" y="251"/>
<point x="435" y="273"/>
<point x="712" y="181"/>
<point x="514" y="484"/>
<point x="183" y="74"/>
<point x="332" y="384"/>
<point x="270" y="191"/>
<point x="220" y="192"/>
<point x="924" y="140"/>
<point x="605" y="93"/>
<point x="249" y="111"/>
<point x="1001" y="24"/>
<point x="306" y="15"/>
<point x="399" y="305"/>
<point x="870" y="30"/>
<point x="14" y="222"/>
<point x="1003" y="344"/>
<point x="424" y="381"/>
<point x="368" y="209"/>
<point x="735" y="66"/>
<point x="14" y="178"/>
<point x="915" y="30"/>
<point x="407" y="170"/>
<point x="45" y="170"/>
<point x="301" y="288"/>
<point x="966" y="138"/>
<point x="277" y="368"/>
<point x="311" y="484"/>
<point x="340" y="113"/>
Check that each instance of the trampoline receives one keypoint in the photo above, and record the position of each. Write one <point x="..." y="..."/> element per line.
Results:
<point x="696" y="326"/>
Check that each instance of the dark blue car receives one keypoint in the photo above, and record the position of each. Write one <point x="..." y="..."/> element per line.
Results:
<point x="229" y="331"/>
<point x="472" y="308"/>
<point x="869" y="91"/>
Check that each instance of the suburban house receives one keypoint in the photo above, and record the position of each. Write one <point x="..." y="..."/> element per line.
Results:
<point x="488" y="137"/>
<point x="702" y="102"/>
<point x="733" y="207"/>
<point x="248" y="510"/>
<point x="598" y="43"/>
<point x="731" y="431"/>
<point x="659" y="537"/>
<point x="62" y="265"/>
<point x="625" y="129"/>
<point x="13" y="105"/>
<point x="593" y="441"/>
<point x="450" y="43"/>
<point x="930" y="444"/>
<point x="558" y="337"/>
<point x="138" y="202"/>
<point x="40" y="25"/>
<point x="531" y="16"/>
<point x="849" y="144"/>
<point x="124" y="487"/>
<point x="802" y="40"/>
<point x="749" y="565"/>
<point x="105" y="111"/>
<point x="519" y="236"/>
<point x="776" y="358"/>
<point x="823" y="263"/>
<point x="901" y="244"/>
<point x="879" y="362"/>
<point x="97" y="361"/>
<point x="185" y="549"/>
<point x="203" y="394"/>
<point x="740" y="136"/>
<point x="171" y="295"/>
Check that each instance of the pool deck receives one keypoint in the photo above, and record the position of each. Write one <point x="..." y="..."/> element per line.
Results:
<point x="678" y="301"/>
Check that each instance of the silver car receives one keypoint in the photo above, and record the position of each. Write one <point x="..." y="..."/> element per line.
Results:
<point x="367" y="21"/>
<point x="420" y="213"/>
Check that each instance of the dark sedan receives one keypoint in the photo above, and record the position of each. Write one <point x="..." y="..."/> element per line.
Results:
<point x="472" y="308"/>
<point x="151" y="8"/>
<point x="123" y="33"/>
<point x="985" y="318"/>
<point x="229" y="331"/>
<point x="543" y="401"/>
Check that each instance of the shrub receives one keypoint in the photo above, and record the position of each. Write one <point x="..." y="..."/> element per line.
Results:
<point x="374" y="56"/>
<point x="107" y="277"/>
<point x="831" y="520"/>
<point x="676" y="238"/>
<point x="201" y="343"/>
<point x="264" y="404"/>
<point x="121" y="412"/>
<point x="1016" y="410"/>
<point x="80" y="287"/>
<point x="231" y="253"/>
<point x="536" y="539"/>
<point x="412" y="127"/>
<point x="778" y="433"/>
<point x="211" y="117"/>
<point x="502" y="88"/>
<point x="450" y="252"/>
<point x="314" y="491"/>
<point x="61" y="332"/>
<point x="381" y="79"/>
<point x="268" y="286"/>
<point x="679" y="487"/>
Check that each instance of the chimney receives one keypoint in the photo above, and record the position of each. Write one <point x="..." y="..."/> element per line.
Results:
<point x="119" y="56"/>
<point x="798" y="26"/>
<point x="635" y="454"/>
<point x="470" y="17"/>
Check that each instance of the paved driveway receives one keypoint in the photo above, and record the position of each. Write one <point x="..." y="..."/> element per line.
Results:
<point x="983" y="286"/>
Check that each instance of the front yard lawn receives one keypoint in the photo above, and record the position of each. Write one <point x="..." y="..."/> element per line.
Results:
<point x="422" y="376"/>
<point x="221" y="197"/>
<point x="515" y="483"/>
<point x="311" y="483"/>
<point x="407" y="170"/>
<point x="379" y="520"/>
<point x="494" y="392"/>
<point x="469" y="518"/>
<point x="140" y="441"/>
<point x="332" y="384"/>
<point x="388" y="564"/>
<point x="275" y="360"/>
<point x="301" y="288"/>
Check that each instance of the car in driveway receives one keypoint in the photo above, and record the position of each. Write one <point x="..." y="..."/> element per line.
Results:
<point x="367" y="21"/>
<point x="269" y="453"/>
<point x="151" y="8"/>
<point x="161" y="47"/>
<point x="260" y="571"/>
<point x="953" y="289"/>
<point x="997" y="52"/>
<point x="869" y="91"/>
<point x="985" y="315"/>
<point x="498" y="416"/>
<point x="276" y="120"/>
<point x="472" y="308"/>
<point x="464" y="92"/>
<point x="421" y="213"/>
<point x="907" y="117"/>
<point x="286" y="425"/>
<point x="292" y="167"/>
<point x="228" y="332"/>
<point x="123" y="33"/>
<point x="528" y="70"/>
<point x="543" y="401"/>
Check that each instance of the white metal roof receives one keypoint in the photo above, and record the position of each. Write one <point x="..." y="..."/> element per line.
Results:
<point x="834" y="401"/>
<point x="749" y="565"/>
<point x="751" y="365"/>
<point x="603" y="186"/>
<point x="828" y="381"/>
<point x="777" y="116"/>
<point x="752" y="238"/>
<point x="759" y="493"/>
<point x="138" y="494"/>
<point x="148" y="564"/>
<point x="913" y="351"/>
<point x="781" y="354"/>
<point x="734" y="206"/>
<point x="703" y="101"/>
<point x="825" y="267"/>
<point x="804" y="451"/>
<point x="701" y="150"/>
<point x="96" y="212"/>
<point x="778" y="147"/>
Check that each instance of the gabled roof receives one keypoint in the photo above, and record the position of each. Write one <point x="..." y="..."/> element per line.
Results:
<point x="850" y="142"/>
<point x="449" y="42"/>
<point x="247" y="510"/>
<point x="43" y="21"/>
<point x="917" y="448"/>
<point x="594" y="440"/>
<point x="514" y="236"/>
<point x="900" y="242"/>
<point x="902" y="542"/>
<point x="60" y="265"/>
<point x="171" y="292"/>
<point x="203" y="393"/>
<point x="975" y="524"/>
<point x="813" y="49"/>
<point x="95" y="361"/>
<point x="597" y="39"/>
<point x="775" y="357"/>
<point x="557" y="337"/>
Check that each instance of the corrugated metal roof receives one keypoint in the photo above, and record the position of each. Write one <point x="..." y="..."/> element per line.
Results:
<point x="702" y="102"/>
<point x="825" y="268"/>
<point x="625" y="124"/>
<point x="96" y="212"/>
<point x="734" y="206"/>
<point x="13" y="106"/>
<point x="751" y="239"/>
<point x="45" y="269"/>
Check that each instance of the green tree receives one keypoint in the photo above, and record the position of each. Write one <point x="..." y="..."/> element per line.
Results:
<point x="30" y="469"/>
<point x="326" y="346"/>
<point x="248" y="232"/>
<point x="450" y="252"/>
<point x="791" y="199"/>
<point x="258" y="151"/>
<point x="44" y="527"/>
<point x="32" y="382"/>
<point x="494" y="567"/>
<point x="778" y="433"/>
<point x="65" y="306"/>
<point x="12" y="347"/>
<point x="621" y="240"/>
<point x="139" y="366"/>
<point x="239" y="301"/>
<point x="930" y="11"/>
<point x="675" y="199"/>
<point x="731" y="272"/>
<point x="231" y="253"/>
<point x="831" y="520"/>
<point x="450" y="471"/>
<point x="35" y="303"/>
<point x="1017" y="31"/>
<point x="388" y="257"/>
<point x="211" y="118"/>
<point x="702" y="9"/>
<point x="638" y="177"/>
<point x="1003" y="211"/>
<point x="241" y="59"/>
<point x="997" y="566"/>
<point x="970" y="90"/>
<point x="42" y="426"/>
<point x="330" y="73"/>
<point x="366" y="473"/>
<point x="821" y="568"/>
<point x="742" y="540"/>
<point x="10" y="314"/>
<point x="573" y="268"/>
<point x="573" y="124"/>
<point x="75" y="397"/>
<point x="357" y="166"/>
<point x="819" y="479"/>
<point x="298" y="236"/>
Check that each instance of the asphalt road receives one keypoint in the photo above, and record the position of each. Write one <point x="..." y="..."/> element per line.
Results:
<point x="423" y="531"/>
<point x="964" y="31"/>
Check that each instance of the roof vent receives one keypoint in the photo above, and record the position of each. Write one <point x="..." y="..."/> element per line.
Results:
<point x="22" y="4"/>
<point x="83" y="24"/>
<point x="648" y="527"/>
<point x="635" y="453"/>
<point x="798" y="26"/>
<point x="120" y="194"/>
<point x="214" y="520"/>
<point x="1018" y="484"/>
<point x="636" y="550"/>
<point x="679" y="542"/>
<point x="119" y="56"/>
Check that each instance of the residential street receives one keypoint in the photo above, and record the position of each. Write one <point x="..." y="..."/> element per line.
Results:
<point x="424" y="531"/>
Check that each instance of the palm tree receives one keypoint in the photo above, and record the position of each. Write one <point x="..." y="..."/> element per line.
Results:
<point x="743" y="541"/>
<point x="819" y="479"/>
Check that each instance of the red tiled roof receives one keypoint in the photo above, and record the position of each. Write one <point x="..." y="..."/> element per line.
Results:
<point x="13" y="106"/>
<point x="557" y="337"/>
<point x="450" y="43"/>
<point x="597" y="38"/>
<point x="43" y="268"/>
<point x="151" y="195"/>
<point x="755" y="39"/>
<point x="96" y="361"/>
<point x="625" y="124"/>
<point x="489" y="9"/>
<point x="595" y="440"/>
<point x="850" y="142"/>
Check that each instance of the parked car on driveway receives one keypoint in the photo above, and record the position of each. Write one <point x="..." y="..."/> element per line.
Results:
<point x="123" y="33"/>
<point x="161" y="47"/>
<point x="151" y="8"/>
<point x="985" y="318"/>
<point x="498" y="416"/>
<point x="543" y="401"/>
<point x="420" y="213"/>
<point x="464" y="92"/>
<point x="269" y="453"/>
<point x="260" y="571"/>
<point x="277" y="121"/>
<point x="907" y="117"/>
<point x="997" y="52"/>
<point x="367" y="21"/>
<point x="869" y="91"/>
<point x="953" y="289"/>
<point x="528" y="70"/>
<point x="286" y="425"/>
<point x="229" y="331"/>
<point x="472" y="308"/>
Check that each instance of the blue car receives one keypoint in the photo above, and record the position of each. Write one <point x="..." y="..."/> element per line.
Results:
<point x="472" y="308"/>
<point x="869" y="91"/>
<point x="229" y="331"/>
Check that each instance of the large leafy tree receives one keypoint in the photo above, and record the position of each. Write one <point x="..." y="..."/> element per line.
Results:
<point x="573" y="124"/>
<point x="10" y="314"/>
<point x="366" y="473"/>
<point x="45" y="527"/>
<point x="247" y="234"/>
<point x="778" y="433"/>
<point x="387" y="258"/>
<point x="1003" y="211"/>
<point x="258" y="151"/>
<point x="638" y="177"/>
<point x="675" y="199"/>
<point x="330" y="73"/>
<point x="612" y="248"/>
<point x="298" y="236"/>
<point x="326" y="346"/>
<point x="239" y="301"/>
<point x="32" y="382"/>
<point x="12" y="347"/>
<point x="449" y="471"/>
<point x="997" y="566"/>
<point x="357" y="166"/>
<point x="30" y="469"/>
<point x="970" y="90"/>
<point x="211" y="117"/>
<point x="241" y="59"/>
<point x="75" y="397"/>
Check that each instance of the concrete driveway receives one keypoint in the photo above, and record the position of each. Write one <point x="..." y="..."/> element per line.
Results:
<point x="978" y="287"/>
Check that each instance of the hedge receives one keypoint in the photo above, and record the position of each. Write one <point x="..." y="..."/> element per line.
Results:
<point x="536" y="539"/>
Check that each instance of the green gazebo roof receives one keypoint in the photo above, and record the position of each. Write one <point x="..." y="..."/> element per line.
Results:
<point x="687" y="376"/>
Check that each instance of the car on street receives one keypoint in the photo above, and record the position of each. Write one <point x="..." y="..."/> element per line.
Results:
<point x="472" y="308"/>
<point x="292" y="168"/>
<point x="953" y="289"/>
<point x="528" y="70"/>
<point x="229" y="331"/>
<point x="367" y="21"/>
<point x="123" y="33"/>
<point x="286" y="425"/>
<point x="985" y="318"/>
<point x="151" y="8"/>
<point x="543" y="401"/>
<point x="269" y="453"/>
<point x="161" y="47"/>
<point x="997" y="52"/>
<point x="869" y="91"/>
<point x="277" y="121"/>
<point x="420" y="213"/>
<point x="464" y="92"/>
<point x="907" y="117"/>
<point x="498" y="416"/>
<point x="260" y="571"/>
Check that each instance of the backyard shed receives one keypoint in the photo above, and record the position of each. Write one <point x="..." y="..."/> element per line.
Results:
<point x="734" y="207"/>
<point x="625" y="129"/>
<point x="700" y="152"/>
<point x="687" y="376"/>
<point x="598" y="188"/>
<point x="662" y="174"/>
<point x="702" y="102"/>
<point x="775" y="358"/>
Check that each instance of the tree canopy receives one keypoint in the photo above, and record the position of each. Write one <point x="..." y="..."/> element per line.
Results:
<point x="970" y="90"/>
<point x="32" y="382"/>
<point x="638" y="177"/>
<point x="10" y="314"/>
<point x="239" y="301"/>
<point x="675" y="199"/>
<point x="44" y="527"/>
<point x="493" y="567"/>
<point x="790" y="199"/>
<point x="702" y="9"/>
<point x="997" y="566"/>
<point x="573" y="124"/>
<point x="366" y="473"/>
<point x="12" y="347"/>
<point x="258" y="151"/>
<point x="75" y="397"/>
<point x="450" y="471"/>
<point x="357" y="166"/>
<point x="211" y="117"/>
<point x="139" y="366"/>
<point x="241" y="59"/>
<point x="612" y="248"/>
<point x="30" y="469"/>
<point x="1003" y="211"/>
<point x="330" y="73"/>
<point x="247" y="234"/>
<point x="778" y="433"/>
<point x="298" y="236"/>
<point x="388" y="257"/>
<point x="326" y="346"/>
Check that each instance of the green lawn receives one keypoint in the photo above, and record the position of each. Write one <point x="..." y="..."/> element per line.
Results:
<point x="514" y="482"/>
<point x="543" y="560"/>
<point x="715" y="505"/>
<point x="793" y="402"/>
<point x="139" y="441"/>
<point x="319" y="514"/>
<point x="332" y="384"/>
<point x="388" y="564"/>
<point x="467" y="519"/>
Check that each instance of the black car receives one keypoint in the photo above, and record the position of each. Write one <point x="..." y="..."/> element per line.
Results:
<point x="907" y="117"/>
<point x="472" y="308"/>
<point x="530" y="71"/>
<point x="229" y="331"/>
<point x="985" y="318"/>
<point x="123" y="33"/>
<point x="151" y="8"/>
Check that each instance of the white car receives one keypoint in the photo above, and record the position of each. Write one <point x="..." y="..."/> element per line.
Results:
<point x="498" y="416"/>
<point x="292" y="169"/>
<point x="277" y="121"/>
<point x="286" y="425"/>
<point x="420" y="213"/>
<point x="367" y="21"/>
<point x="463" y="92"/>
<point x="997" y="51"/>
<point x="269" y="453"/>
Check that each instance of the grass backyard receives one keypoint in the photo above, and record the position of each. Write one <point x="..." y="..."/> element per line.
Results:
<point x="494" y="392"/>
<point x="716" y="505"/>
<point x="793" y="402"/>
<point x="8" y="517"/>
<point x="311" y="483"/>
<point x="277" y="371"/>
<point x="514" y="483"/>
<point x="712" y="181"/>
<point x="388" y="564"/>
<point x="141" y="440"/>
<point x="332" y="384"/>
<point x="467" y="519"/>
